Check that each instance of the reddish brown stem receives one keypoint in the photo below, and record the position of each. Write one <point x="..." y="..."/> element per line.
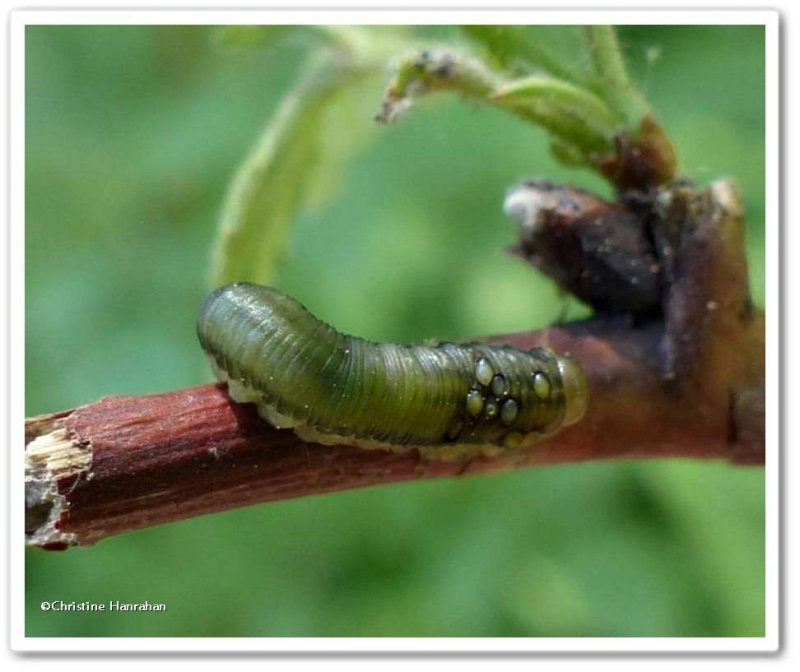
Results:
<point x="688" y="383"/>
<point x="169" y="456"/>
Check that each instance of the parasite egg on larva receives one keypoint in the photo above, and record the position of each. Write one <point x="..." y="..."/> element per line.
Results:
<point x="449" y="400"/>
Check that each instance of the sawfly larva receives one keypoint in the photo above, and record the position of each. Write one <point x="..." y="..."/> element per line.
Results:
<point x="448" y="401"/>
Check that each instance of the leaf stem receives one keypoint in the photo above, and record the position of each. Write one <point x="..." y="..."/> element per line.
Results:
<point x="613" y="83"/>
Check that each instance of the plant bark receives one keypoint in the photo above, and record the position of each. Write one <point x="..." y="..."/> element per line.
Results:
<point x="686" y="382"/>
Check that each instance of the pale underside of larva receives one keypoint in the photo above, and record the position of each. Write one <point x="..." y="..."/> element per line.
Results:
<point x="449" y="401"/>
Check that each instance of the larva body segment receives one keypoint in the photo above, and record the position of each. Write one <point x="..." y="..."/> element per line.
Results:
<point x="450" y="400"/>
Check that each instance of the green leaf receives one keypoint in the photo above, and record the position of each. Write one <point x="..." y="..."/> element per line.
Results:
<point x="571" y="113"/>
<point x="299" y="159"/>
<point x="271" y="184"/>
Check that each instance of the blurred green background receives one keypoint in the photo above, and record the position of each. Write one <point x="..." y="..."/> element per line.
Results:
<point x="133" y="134"/>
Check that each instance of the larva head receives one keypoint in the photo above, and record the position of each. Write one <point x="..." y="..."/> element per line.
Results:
<point x="576" y="390"/>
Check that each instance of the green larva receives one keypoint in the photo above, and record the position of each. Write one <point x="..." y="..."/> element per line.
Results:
<point x="448" y="401"/>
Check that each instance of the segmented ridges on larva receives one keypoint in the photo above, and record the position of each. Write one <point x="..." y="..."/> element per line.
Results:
<point x="303" y="373"/>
